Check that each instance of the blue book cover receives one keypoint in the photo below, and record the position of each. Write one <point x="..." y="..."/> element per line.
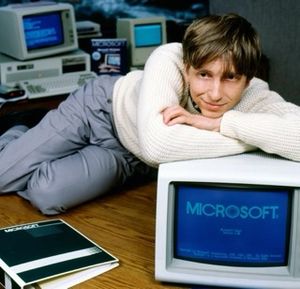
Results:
<point x="108" y="56"/>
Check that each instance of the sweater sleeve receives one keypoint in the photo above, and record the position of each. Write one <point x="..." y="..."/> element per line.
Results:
<point x="162" y="86"/>
<point x="270" y="123"/>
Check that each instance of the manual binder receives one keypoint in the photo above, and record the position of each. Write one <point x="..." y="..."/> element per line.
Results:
<point x="49" y="254"/>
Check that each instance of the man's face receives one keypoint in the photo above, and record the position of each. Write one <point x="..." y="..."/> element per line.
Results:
<point x="215" y="88"/>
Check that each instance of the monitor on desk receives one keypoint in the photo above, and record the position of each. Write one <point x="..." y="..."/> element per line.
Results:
<point x="37" y="29"/>
<point x="231" y="221"/>
<point x="143" y="36"/>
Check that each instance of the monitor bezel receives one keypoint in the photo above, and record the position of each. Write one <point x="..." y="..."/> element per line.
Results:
<point x="14" y="43"/>
<point x="137" y="56"/>
<point x="170" y="268"/>
<point x="110" y="56"/>
<point x="250" y="168"/>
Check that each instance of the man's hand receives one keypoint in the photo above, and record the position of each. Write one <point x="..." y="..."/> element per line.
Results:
<point x="176" y="114"/>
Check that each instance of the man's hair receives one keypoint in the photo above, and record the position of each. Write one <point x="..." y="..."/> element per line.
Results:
<point x="230" y="37"/>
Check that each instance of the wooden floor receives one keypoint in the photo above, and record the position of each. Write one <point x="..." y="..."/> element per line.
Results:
<point x="122" y="222"/>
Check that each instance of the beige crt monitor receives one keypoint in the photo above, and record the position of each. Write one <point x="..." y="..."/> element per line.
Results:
<point x="232" y="221"/>
<point x="37" y="29"/>
<point x="143" y="36"/>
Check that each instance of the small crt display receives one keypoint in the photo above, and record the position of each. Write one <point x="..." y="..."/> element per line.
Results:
<point x="113" y="59"/>
<point x="147" y="35"/>
<point x="232" y="226"/>
<point x="43" y="30"/>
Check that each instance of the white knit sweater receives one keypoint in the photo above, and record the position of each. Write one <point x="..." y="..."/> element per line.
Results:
<point x="262" y="119"/>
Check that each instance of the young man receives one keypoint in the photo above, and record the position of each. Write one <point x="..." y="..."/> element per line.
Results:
<point x="193" y="100"/>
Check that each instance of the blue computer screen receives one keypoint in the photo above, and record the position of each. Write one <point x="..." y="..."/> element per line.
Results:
<point x="114" y="59"/>
<point x="43" y="30"/>
<point x="147" y="35"/>
<point x="232" y="226"/>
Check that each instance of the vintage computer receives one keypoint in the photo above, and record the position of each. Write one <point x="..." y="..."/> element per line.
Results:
<point x="47" y="76"/>
<point x="39" y="49"/>
<point x="143" y="36"/>
<point x="232" y="221"/>
<point x="37" y="29"/>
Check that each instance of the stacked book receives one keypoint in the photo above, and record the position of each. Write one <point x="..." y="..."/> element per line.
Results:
<point x="49" y="254"/>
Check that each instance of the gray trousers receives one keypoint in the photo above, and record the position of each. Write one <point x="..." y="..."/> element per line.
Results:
<point x="72" y="156"/>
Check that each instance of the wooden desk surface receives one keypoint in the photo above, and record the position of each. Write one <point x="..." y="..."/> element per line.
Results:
<point x="123" y="223"/>
<point x="31" y="104"/>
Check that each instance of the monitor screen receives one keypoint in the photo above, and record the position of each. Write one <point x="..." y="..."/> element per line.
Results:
<point x="146" y="35"/>
<point x="232" y="225"/>
<point x="113" y="59"/>
<point x="43" y="30"/>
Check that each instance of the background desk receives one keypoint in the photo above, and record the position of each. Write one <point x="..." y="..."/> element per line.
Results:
<point x="122" y="222"/>
<point x="31" y="104"/>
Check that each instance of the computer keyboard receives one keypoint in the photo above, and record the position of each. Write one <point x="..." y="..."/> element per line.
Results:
<point x="59" y="85"/>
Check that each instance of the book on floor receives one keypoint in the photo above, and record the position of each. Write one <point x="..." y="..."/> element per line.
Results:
<point x="49" y="254"/>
